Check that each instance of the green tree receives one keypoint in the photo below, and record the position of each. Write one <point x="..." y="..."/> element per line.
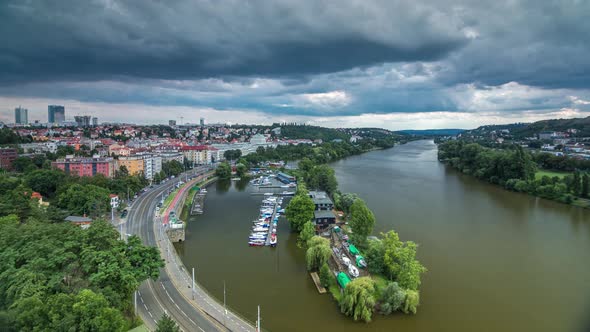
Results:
<point x="318" y="252"/>
<point x="307" y="232"/>
<point x="358" y="299"/>
<point x="223" y="171"/>
<point x="392" y="298"/>
<point x="577" y="184"/>
<point x="326" y="276"/>
<point x="401" y="263"/>
<point x="585" y="185"/>
<point x="85" y="199"/>
<point x="166" y="324"/>
<point x="362" y="221"/>
<point x="45" y="181"/>
<point x="306" y="165"/>
<point x="299" y="211"/>
<point x="92" y="313"/>
<point x="241" y="170"/>
<point x="411" y="302"/>
<point x="374" y="257"/>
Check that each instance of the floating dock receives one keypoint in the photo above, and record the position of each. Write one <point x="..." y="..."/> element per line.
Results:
<point x="317" y="282"/>
<point x="272" y="227"/>
<point x="198" y="203"/>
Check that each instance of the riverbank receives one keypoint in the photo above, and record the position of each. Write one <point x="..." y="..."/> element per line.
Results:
<point x="515" y="170"/>
<point x="180" y="276"/>
<point x="186" y="208"/>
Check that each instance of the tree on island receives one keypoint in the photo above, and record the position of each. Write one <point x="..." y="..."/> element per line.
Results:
<point x="358" y="299"/>
<point x="400" y="261"/>
<point x="167" y="324"/>
<point x="299" y="210"/>
<point x="307" y="232"/>
<point x="392" y="298"/>
<point x="318" y="252"/>
<point x="362" y="221"/>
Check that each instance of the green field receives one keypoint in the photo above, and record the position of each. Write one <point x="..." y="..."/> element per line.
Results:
<point x="550" y="174"/>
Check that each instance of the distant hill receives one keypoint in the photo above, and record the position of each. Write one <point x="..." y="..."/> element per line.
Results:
<point x="522" y="130"/>
<point x="432" y="132"/>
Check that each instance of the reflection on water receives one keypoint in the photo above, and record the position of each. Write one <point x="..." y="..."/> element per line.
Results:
<point x="497" y="260"/>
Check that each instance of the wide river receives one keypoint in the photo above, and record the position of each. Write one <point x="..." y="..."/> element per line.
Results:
<point x="497" y="260"/>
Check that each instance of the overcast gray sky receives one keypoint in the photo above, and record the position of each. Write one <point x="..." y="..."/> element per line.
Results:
<point x="392" y="64"/>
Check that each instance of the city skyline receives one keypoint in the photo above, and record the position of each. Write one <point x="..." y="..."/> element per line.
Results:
<point x="402" y="64"/>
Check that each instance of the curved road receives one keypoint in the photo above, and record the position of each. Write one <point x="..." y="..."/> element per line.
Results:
<point x="162" y="296"/>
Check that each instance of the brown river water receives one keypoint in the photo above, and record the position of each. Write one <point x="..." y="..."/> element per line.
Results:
<point x="497" y="260"/>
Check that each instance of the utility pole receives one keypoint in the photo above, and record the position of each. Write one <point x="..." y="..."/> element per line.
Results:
<point x="258" y="321"/>
<point x="193" y="289"/>
<point x="135" y="301"/>
<point x="224" y="305"/>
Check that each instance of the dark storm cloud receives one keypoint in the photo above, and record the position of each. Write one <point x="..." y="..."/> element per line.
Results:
<point x="80" y="40"/>
<point x="295" y="57"/>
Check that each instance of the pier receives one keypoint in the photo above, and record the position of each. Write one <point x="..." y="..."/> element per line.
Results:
<point x="272" y="226"/>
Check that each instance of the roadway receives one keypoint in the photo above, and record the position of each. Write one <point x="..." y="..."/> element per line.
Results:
<point x="161" y="296"/>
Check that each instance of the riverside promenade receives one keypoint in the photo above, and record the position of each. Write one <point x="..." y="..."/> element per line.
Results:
<point x="181" y="277"/>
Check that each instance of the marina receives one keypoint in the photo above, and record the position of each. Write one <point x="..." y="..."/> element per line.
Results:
<point x="264" y="229"/>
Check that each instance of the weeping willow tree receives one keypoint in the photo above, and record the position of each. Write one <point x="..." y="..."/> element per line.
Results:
<point x="358" y="300"/>
<point x="411" y="302"/>
<point x="317" y="253"/>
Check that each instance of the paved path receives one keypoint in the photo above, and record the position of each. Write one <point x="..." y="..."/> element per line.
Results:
<point x="171" y="293"/>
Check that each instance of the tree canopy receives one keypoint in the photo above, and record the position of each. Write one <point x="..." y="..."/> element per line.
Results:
<point x="362" y="222"/>
<point x="59" y="277"/>
<point x="358" y="299"/>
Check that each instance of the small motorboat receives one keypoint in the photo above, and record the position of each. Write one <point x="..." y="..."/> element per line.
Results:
<point x="256" y="243"/>
<point x="345" y="260"/>
<point x="353" y="271"/>
<point x="260" y="229"/>
<point x="360" y="261"/>
<point x="273" y="240"/>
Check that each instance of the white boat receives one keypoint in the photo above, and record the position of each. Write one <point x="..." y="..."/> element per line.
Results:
<point x="257" y="236"/>
<point x="260" y="229"/>
<point x="273" y="240"/>
<point x="353" y="271"/>
<point x="346" y="260"/>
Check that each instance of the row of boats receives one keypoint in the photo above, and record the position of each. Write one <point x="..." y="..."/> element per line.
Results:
<point x="264" y="229"/>
<point x="352" y="270"/>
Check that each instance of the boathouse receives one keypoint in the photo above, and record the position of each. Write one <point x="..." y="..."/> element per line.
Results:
<point x="323" y="218"/>
<point x="321" y="201"/>
<point x="285" y="178"/>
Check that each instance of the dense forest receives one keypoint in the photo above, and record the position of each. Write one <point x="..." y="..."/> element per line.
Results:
<point x="514" y="169"/>
<point x="294" y="131"/>
<point x="59" y="277"/>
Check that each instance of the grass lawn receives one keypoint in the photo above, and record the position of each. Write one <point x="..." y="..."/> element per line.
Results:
<point x="141" y="328"/>
<point x="550" y="174"/>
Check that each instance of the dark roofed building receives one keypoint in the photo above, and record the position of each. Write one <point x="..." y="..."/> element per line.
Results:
<point x="321" y="200"/>
<point x="83" y="222"/>
<point x="323" y="218"/>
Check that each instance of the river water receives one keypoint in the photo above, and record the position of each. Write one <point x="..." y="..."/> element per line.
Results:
<point x="497" y="260"/>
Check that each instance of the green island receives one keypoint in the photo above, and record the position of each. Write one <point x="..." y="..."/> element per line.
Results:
<point x="391" y="279"/>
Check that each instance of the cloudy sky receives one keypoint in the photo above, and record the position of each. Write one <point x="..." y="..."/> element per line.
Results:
<point x="392" y="64"/>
